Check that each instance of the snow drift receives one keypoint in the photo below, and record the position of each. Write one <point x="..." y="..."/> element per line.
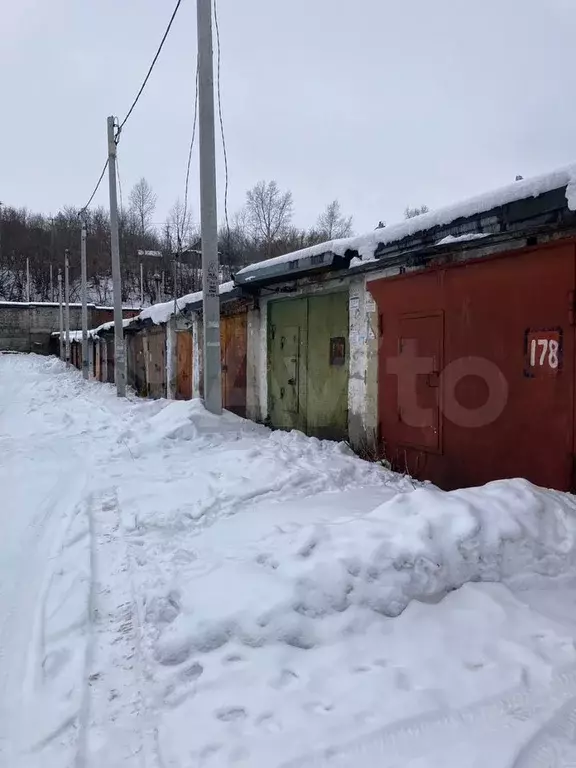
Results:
<point x="307" y="587"/>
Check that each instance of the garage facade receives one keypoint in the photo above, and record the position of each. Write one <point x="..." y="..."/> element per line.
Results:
<point x="308" y="354"/>
<point x="476" y="369"/>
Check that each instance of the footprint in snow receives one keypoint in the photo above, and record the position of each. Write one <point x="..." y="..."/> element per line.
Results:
<point x="230" y="714"/>
<point x="319" y="707"/>
<point x="208" y="752"/>
<point x="268" y="723"/>
<point x="285" y="678"/>
<point x="361" y="668"/>
<point x="402" y="680"/>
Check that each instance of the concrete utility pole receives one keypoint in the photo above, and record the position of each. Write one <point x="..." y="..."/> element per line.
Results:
<point x="28" y="279"/>
<point x="141" y="285"/>
<point x="67" y="302"/>
<point x="84" y="302"/>
<point x="208" y="213"/>
<point x="119" y="358"/>
<point x="61" y="313"/>
<point x="51" y="283"/>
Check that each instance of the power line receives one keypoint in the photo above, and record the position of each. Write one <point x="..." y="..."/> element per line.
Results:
<point x="95" y="188"/>
<point x="119" y="188"/>
<point x="123" y="123"/>
<point x="191" y="145"/>
<point x="221" y="120"/>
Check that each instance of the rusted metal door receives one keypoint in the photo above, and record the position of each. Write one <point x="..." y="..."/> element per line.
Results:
<point x="110" y="357"/>
<point x="139" y="364"/>
<point x="184" y="365"/>
<point x="420" y="345"/>
<point x="327" y="366"/>
<point x="157" y="363"/>
<point x="308" y="364"/>
<point x="287" y="340"/>
<point x="233" y="345"/>
<point x="505" y="390"/>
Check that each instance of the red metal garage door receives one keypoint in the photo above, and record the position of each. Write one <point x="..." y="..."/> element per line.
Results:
<point x="486" y="352"/>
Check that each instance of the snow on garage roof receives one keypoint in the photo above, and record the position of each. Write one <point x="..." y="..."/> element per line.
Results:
<point x="365" y="245"/>
<point x="161" y="313"/>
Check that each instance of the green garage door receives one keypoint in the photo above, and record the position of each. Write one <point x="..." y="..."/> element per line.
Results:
<point x="308" y="365"/>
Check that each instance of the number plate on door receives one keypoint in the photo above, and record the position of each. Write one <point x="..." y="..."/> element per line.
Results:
<point x="543" y="352"/>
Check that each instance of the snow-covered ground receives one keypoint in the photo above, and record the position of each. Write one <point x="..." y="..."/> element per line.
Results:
<point x="181" y="590"/>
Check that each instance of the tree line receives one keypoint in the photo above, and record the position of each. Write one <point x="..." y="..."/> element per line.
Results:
<point x="157" y="262"/>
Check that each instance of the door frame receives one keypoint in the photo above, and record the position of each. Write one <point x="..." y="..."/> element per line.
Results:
<point x="439" y="313"/>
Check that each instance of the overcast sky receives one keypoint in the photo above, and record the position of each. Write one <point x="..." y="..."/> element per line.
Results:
<point x="378" y="103"/>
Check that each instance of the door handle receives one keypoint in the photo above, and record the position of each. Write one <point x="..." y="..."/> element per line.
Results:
<point x="292" y="382"/>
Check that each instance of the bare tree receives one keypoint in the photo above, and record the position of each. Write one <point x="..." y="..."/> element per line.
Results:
<point x="268" y="213"/>
<point x="180" y="226"/>
<point x="332" y="224"/>
<point x="142" y="205"/>
<point x="410" y="213"/>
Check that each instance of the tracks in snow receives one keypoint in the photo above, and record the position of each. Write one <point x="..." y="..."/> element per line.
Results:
<point x="115" y="727"/>
<point x="86" y="684"/>
<point x="490" y="723"/>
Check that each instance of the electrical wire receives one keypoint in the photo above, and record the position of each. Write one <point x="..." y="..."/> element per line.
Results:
<point x="186" y="186"/>
<point x="194" y="123"/>
<point x="85" y="208"/>
<point x="123" y="123"/>
<point x="221" y="120"/>
<point x="119" y="187"/>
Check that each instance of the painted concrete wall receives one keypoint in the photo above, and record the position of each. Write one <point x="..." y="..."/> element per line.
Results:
<point x="171" y="359"/>
<point x="363" y="380"/>
<point x="197" y="342"/>
<point x="28" y="327"/>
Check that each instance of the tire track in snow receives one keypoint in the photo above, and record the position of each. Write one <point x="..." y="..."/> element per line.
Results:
<point x="554" y="744"/>
<point x="395" y="745"/>
<point x="115" y="728"/>
<point x="27" y="596"/>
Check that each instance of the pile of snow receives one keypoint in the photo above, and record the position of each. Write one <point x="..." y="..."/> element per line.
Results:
<point x="366" y="245"/>
<point x="306" y="589"/>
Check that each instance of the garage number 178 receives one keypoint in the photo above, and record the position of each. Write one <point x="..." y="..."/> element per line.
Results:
<point x="544" y="352"/>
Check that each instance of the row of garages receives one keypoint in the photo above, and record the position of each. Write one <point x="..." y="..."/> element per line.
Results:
<point x="449" y="354"/>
